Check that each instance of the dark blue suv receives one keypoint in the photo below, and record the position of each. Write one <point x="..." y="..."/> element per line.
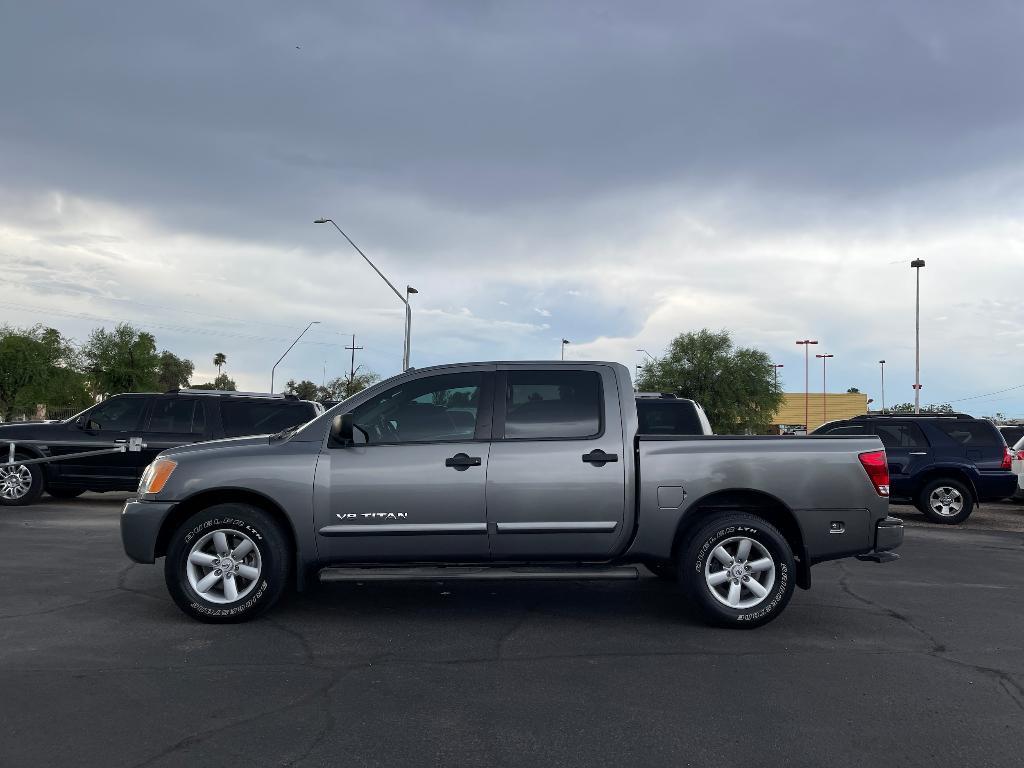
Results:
<point x="945" y="463"/>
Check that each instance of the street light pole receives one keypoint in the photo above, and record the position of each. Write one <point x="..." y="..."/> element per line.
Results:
<point x="824" y="388"/>
<point x="564" y="342"/>
<point x="776" y="366"/>
<point x="882" y="363"/>
<point x="807" y="383"/>
<point x="406" y="346"/>
<point x="917" y="264"/>
<point x="274" y="369"/>
<point x="649" y="355"/>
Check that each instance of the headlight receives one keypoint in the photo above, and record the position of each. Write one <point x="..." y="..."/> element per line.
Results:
<point x="156" y="476"/>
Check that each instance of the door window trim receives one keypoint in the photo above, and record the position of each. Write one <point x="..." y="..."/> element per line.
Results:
<point x="500" y="391"/>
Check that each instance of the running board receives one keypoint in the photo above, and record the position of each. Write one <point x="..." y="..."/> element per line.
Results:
<point x="479" y="573"/>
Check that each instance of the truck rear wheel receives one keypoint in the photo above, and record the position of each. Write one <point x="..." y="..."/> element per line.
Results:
<point x="227" y="563"/>
<point x="738" y="571"/>
<point x="946" y="501"/>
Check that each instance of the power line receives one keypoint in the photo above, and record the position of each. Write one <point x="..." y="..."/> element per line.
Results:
<point x="986" y="394"/>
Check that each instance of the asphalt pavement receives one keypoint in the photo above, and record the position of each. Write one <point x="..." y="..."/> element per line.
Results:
<point x="914" y="663"/>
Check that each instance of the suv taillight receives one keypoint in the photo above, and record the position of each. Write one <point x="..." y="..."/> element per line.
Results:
<point x="875" y="465"/>
<point x="1007" y="459"/>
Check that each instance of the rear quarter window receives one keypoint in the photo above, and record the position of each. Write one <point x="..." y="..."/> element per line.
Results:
<point x="970" y="433"/>
<point x="263" y="417"/>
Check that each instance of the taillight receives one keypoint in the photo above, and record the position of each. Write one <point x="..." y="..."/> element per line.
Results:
<point x="1007" y="459"/>
<point x="1020" y="455"/>
<point x="875" y="465"/>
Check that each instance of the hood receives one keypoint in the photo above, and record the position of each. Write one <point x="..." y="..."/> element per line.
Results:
<point x="30" y="430"/>
<point x="225" y="444"/>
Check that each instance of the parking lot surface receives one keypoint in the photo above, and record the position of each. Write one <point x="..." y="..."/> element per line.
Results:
<point x="914" y="663"/>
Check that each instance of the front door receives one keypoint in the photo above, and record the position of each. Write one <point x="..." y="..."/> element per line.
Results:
<point x="907" y="451"/>
<point x="556" y="481"/>
<point x="115" y="420"/>
<point x="412" y="486"/>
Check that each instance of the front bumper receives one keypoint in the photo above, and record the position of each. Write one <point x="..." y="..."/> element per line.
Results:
<point x="888" y="536"/>
<point x="140" y="526"/>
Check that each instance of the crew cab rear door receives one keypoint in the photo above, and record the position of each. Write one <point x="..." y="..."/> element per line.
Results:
<point x="557" y="476"/>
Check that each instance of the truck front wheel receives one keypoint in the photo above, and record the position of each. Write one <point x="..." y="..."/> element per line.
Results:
<point x="227" y="563"/>
<point x="738" y="571"/>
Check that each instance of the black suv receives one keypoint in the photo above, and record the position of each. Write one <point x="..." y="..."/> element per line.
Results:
<point x="944" y="462"/>
<point x="662" y="413"/>
<point x="161" y="421"/>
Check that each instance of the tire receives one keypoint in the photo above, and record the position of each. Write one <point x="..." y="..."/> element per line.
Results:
<point x="65" y="493"/>
<point x="665" y="571"/>
<point x="21" y="485"/>
<point x="701" y="565"/>
<point x="268" y="561"/>
<point x="945" y="501"/>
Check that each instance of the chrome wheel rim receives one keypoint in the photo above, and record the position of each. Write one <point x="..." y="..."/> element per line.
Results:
<point x="15" y="482"/>
<point x="946" y="501"/>
<point x="224" y="566"/>
<point x="740" y="572"/>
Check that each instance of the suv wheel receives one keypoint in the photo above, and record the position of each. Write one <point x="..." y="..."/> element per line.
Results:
<point x="946" y="501"/>
<point x="20" y="485"/>
<point x="738" y="571"/>
<point x="227" y="563"/>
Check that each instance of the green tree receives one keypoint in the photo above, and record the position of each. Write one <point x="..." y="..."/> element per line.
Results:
<point x="174" y="373"/>
<point x="222" y="382"/>
<point x="219" y="360"/>
<point x="344" y="387"/>
<point x="122" y="360"/>
<point x="853" y="391"/>
<point x="304" y="390"/>
<point x="39" y="366"/>
<point x="735" y="385"/>
<point x="930" y="408"/>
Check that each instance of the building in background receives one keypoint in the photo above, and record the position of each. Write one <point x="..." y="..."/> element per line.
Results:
<point x="790" y="416"/>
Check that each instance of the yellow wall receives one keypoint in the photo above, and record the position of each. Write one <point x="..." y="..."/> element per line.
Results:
<point x="836" y="406"/>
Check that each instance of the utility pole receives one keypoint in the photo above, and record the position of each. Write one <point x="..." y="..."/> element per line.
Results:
<point x="917" y="264"/>
<point x="564" y="342"/>
<point x="882" y="363"/>
<point x="824" y="389"/>
<point x="807" y="383"/>
<point x="352" y="367"/>
<point x="776" y="366"/>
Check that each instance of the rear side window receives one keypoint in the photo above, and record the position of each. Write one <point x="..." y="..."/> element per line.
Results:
<point x="177" y="416"/>
<point x="262" y="417"/>
<point x="668" y="418"/>
<point x="901" y="436"/>
<point x="844" y="429"/>
<point x="552" y="404"/>
<point x="971" y="433"/>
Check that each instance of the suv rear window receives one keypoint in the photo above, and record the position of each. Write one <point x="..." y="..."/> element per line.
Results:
<point x="971" y="432"/>
<point x="262" y="417"/>
<point x="668" y="418"/>
<point x="552" y="404"/>
<point x="1012" y="435"/>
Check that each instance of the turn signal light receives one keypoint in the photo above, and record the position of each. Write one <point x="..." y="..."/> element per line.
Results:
<point x="156" y="475"/>
<point x="877" y="467"/>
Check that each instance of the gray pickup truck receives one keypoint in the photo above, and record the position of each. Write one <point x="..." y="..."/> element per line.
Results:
<point x="506" y="471"/>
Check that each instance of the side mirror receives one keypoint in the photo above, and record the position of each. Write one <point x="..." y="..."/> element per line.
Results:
<point x="91" y="425"/>
<point x="342" y="428"/>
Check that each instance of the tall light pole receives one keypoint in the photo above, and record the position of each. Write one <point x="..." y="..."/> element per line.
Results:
<point x="564" y="342"/>
<point x="824" y="388"/>
<point x="882" y="363"/>
<point x="776" y="366"/>
<point x="807" y="382"/>
<point x="406" y="346"/>
<point x="649" y="355"/>
<point x="917" y="264"/>
<point x="274" y="369"/>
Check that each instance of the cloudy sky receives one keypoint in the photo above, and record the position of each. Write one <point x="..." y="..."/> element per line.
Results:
<point x="611" y="173"/>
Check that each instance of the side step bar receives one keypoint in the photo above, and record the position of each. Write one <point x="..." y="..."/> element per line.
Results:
<point x="478" y="573"/>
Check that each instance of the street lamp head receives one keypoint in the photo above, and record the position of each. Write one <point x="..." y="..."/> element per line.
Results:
<point x="917" y="263"/>
<point x="882" y="362"/>
<point x="807" y="341"/>
<point x="409" y="289"/>
<point x="566" y="341"/>
<point x="320" y="221"/>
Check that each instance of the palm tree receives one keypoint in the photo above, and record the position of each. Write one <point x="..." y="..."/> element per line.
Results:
<point x="219" y="360"/>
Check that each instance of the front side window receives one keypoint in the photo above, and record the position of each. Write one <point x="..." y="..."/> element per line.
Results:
<point x="263" y="417"/>
<point x="552" y="404"/>
<point x="433" y="409"/>
<point x="118" y="414"/>
<point x="901" y="436"/>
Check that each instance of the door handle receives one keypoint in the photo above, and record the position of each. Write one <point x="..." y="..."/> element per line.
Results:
<point x="599" y="458"/>
<point x="919" y="453"/>
<point x="460" y="462"/>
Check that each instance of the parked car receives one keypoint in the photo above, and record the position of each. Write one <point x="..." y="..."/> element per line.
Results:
<point x="1018" y="468"/>
<point x="162" y="421"/>
<point x="945" y="463"/>
<point x="662" y="413"/>
<point x="506" y="471"/>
